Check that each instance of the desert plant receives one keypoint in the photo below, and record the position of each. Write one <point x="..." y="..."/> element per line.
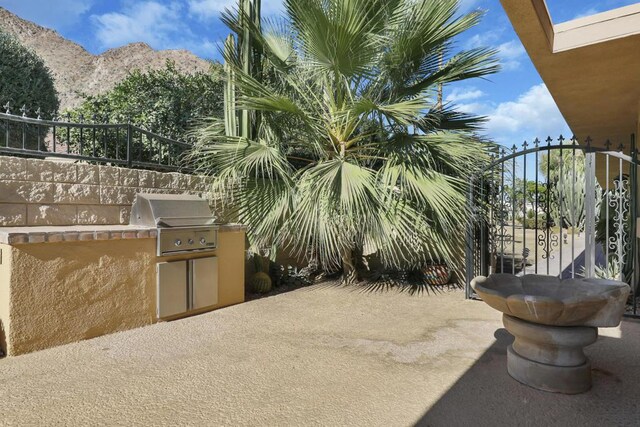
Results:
<point x="339" y="144"/>
<point x="552" y="162"/>
<point x="567" y="200"/>
<point x="567" y="184"/>
<point x="260" y="280"/>
<point x="611" y="271"/>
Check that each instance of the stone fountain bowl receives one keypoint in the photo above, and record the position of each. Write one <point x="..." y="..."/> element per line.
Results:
<point x="548" y="300"/>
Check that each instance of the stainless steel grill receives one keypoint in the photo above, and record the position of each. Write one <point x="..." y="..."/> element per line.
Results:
<point x="185" y="223"/>
<point x="186" y="228"/>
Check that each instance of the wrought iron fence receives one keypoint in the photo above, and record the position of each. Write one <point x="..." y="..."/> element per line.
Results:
<point x="559" y="208"/>
<point x="98" y="141"/>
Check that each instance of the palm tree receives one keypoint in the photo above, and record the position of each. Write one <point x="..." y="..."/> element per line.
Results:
<point x="349" y="151"/>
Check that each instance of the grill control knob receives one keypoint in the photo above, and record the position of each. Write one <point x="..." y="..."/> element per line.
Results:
<point x="190" y="241"/>
<point x="178" y="242"/>
<point x="203" y="241"/>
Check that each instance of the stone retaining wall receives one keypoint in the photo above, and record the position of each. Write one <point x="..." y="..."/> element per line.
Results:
<point x="49" y="192"/>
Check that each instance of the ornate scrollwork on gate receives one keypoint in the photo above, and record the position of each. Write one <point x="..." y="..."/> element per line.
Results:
<point x="499" y="237"/>
<point x="619" y="243"/>
<point x="494" y="217"/>
<point x="505" y="209"/>
<point x="547" y="240"/>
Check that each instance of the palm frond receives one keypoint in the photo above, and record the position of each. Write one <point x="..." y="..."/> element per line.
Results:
<point x="347" y="149"/>
<point x="473" y="63"/>
<point x="337" y="36"/>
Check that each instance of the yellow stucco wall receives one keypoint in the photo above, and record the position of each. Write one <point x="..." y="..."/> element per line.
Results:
<point x="57" y="293"/>
<point x="5" y="280"/>
<point x="231" y="260"/>
<point x="66" y="292"/>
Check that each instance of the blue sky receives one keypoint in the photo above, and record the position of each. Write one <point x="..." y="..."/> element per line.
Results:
<point x="516" y="102"/>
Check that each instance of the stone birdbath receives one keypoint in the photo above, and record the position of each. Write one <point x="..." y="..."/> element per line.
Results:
<point x="552" y="321"/>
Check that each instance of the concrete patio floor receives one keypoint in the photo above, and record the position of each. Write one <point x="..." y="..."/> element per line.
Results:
<point x="316" y="356"/>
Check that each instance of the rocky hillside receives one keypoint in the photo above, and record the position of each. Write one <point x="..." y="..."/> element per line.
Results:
<point x="78" y="72"/>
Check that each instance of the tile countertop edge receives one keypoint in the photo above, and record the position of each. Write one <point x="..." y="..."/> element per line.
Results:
<point x="57" y="234"/>
<point x="232" y="227"/>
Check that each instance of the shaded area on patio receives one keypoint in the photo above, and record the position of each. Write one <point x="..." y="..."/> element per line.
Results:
<point x="322" y="355"/>
<point x="487" y="395"/>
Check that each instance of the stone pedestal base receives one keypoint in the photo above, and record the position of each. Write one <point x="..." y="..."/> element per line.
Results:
<point x="550" y="358"/>
<point x="557" y="379"/>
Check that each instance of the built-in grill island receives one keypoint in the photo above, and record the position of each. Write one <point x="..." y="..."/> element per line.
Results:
<point x="60" y="284"/>
<point x="185" y="227"/>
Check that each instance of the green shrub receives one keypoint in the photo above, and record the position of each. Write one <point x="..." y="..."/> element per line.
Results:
<point x="165" y="102"/>
<point x="24" y="80"/>
<point x="530" y="220"/>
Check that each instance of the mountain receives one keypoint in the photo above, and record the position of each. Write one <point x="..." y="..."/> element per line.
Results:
<point x="77" y="72"/>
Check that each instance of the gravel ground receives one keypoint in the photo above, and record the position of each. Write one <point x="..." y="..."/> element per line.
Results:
<point x="321" y="355"/>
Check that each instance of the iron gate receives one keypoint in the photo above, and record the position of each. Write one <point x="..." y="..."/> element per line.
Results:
<point x="558" y="208"/>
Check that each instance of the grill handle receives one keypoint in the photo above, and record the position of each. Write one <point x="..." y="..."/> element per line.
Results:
<point x="179" y="221"/>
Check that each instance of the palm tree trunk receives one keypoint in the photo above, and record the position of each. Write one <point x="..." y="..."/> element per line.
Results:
<point x="349" y="272"/>
<point x="352" y="262"/>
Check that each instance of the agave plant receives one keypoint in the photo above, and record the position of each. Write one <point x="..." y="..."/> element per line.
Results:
<point x="349" y="151"/>
<point x="610" y="271"/>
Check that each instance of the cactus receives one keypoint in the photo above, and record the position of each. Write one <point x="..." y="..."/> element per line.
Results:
<point x="240" y="49"/>
<point x="240" y="53"/>
<point x="568" y="196"/>
<point x="260" y="281"/>
<point x="230" y="123"/>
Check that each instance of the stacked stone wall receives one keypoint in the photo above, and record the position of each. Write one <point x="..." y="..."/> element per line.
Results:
<point x="47" y="192"/>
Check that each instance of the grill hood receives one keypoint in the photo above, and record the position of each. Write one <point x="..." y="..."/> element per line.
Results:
<point x="170" y="210"/>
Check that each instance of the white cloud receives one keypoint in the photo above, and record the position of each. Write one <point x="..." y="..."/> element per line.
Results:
<point x="209" y="9"/>
<point x="474" y="108"/>
<point x="206" y="10"/>
<point x="58" y="14"/>
<point x="464" y="94"/>
<point x="160" y="25"/>
<point x="148" y="21"/>
<point x="205" y="48"/>
<point x="510" y="54"/>
<point x="533" y="114"/>
<point x="467" y="5"/>
<point x="588" y="12"/>
<point x="482" y="40"/>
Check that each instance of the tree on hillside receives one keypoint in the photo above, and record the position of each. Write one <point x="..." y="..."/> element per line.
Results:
<point x="340" y="148"/>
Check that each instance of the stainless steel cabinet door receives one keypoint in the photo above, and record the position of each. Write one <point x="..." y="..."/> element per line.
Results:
<point x="172" y="288"/>
<point x="204" y="280"/>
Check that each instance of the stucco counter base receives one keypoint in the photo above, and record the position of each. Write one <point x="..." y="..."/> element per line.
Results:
<point x="59" y="290"/>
